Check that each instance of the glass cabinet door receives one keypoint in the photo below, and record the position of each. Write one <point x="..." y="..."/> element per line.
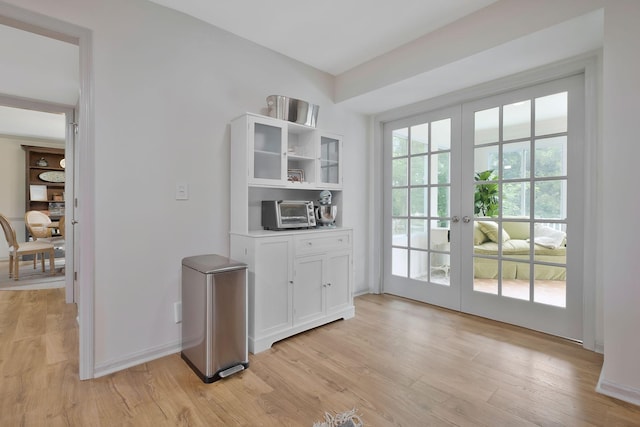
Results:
<point x="268" y="153"/>
<point x="330" y="161"/>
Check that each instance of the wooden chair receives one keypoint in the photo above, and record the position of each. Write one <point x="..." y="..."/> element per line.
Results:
<point x="39" y="225"/>
<point x="17" y="250"/>
<point x="63" y="226"/>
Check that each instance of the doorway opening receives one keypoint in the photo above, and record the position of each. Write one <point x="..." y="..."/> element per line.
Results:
<point x="80" y="39"/>
<point x="34" y="147"/>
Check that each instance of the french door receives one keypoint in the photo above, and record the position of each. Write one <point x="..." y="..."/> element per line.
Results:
<point x="489" y="221"/>
<point x="420" y="196"/>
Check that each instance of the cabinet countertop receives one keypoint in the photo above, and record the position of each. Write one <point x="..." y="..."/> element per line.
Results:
<point x="275" y="233"/>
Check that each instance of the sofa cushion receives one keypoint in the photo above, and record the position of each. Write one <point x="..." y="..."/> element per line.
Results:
<point x="511" y="247"/>
<point x="490" y="228"/>
<point x="517" y="230"/>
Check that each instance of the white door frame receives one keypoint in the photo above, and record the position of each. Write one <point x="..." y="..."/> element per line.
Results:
<point x="589" y="64"/>
<point x="84" y="151"/>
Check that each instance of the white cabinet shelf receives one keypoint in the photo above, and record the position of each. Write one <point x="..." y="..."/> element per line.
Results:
<point x="268" y="154"/>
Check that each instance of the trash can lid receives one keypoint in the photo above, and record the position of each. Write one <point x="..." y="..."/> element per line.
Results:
<point x="212" y="263"/>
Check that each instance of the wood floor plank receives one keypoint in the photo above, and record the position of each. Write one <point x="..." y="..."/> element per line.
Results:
<point x="398" y="362"/>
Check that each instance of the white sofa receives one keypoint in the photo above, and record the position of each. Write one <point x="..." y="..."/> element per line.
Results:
<point x="549" y="246"/>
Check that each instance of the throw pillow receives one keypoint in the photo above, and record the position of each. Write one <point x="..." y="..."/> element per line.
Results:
<point x="478" y="236"/>
<point x="490" y="228"/>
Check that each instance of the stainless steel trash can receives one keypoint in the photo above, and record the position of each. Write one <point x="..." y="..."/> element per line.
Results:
<point x="214" y="316"/>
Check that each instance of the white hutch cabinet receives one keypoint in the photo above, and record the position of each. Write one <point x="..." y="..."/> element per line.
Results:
<point x="298" y="279"/>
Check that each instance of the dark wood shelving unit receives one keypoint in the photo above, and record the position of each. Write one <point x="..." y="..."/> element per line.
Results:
<point x="34" y="168"/>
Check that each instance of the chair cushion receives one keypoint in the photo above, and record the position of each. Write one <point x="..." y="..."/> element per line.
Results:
<point x="34" y="246"/>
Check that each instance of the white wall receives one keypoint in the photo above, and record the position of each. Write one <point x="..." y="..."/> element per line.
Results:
<point x="166" y="87"/>
<point x="621" y="270"/>
<point x="11" y="189"/>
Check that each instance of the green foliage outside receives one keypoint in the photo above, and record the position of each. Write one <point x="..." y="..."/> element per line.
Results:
<point x="486" y="201"/>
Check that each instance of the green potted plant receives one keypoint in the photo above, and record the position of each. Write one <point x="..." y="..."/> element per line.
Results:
<point x="486" y="201"/>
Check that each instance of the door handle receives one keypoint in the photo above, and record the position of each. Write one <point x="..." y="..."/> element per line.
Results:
<point x="455" y="219"/>
<point x="466" y="219"/>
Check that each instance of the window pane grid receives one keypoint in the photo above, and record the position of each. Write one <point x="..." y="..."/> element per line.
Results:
<point x="522" y="147"/>
<point x="420" y="192"/>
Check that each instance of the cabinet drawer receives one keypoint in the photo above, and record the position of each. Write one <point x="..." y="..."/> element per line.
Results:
<point x="317" y="244"/>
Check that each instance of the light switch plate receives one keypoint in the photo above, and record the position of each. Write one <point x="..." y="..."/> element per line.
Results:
<point x="182" y="192"/>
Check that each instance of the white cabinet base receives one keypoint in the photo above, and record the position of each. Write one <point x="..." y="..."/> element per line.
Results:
<point x="298" y="280"/>
<point x="265" y="342"/>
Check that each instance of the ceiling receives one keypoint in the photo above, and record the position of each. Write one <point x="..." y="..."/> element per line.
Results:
<point x="330" y="35"/>
<point x="32" y="124"/>
<point x="339" y="36"/>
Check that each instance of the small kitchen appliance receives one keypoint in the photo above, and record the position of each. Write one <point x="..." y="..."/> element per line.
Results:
<point x="326" y="213"/>
<point x="287" y="214"/>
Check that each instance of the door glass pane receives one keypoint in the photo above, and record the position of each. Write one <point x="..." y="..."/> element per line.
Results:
<point x="441" y="135"/>
<point x="486" y="158"/>
<point x="550" y="199"/>
<point x="440" y="201"/>
<point x="440" y="258"/>
<point x="516" y="162"/>
<point x="486" y="195"/>
<point x="485" y="275"/>
<point x="399" y="202"/>
<point x="440" y="168"/>
<point x="487" y="126"/>
<point x="399" y="172"/>
<point x="551" y="157"/>
<point x="419" y="170"/>
<point x="399" y="233"/>
<point x="516" y="120"/>
<point x="550" y="285"/>
<point x="420" y="138"/>
<point x="419" y="265"/>
<point x="515" y="280"/>
<point x="419" y="200"/>
<point x="399" y="139"/>
<point x="399" y="262"/>
<point x="419" y="237"/>
<point x="515" y="199"/>
<point x="551" y="114"/>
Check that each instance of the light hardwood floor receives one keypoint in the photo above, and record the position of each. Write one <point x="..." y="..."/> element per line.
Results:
<point x="400" y="363"/>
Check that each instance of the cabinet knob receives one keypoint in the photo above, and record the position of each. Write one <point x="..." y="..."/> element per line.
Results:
<point x="309" y="244"/>
<point x="328" y="284"/>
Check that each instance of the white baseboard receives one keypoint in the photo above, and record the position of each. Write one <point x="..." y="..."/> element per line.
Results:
<point x="599" y="348"/>
<point x="618" y="391"/>
<point x="134" y="359"/>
